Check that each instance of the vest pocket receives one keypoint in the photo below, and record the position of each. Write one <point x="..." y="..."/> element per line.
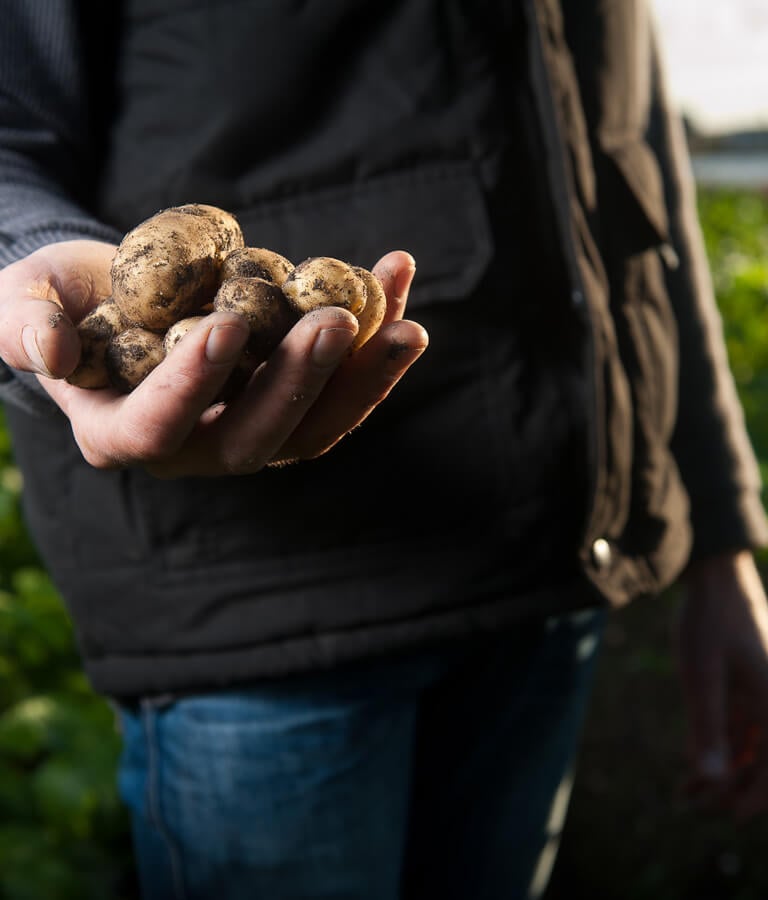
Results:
<point x="437" y="213"/>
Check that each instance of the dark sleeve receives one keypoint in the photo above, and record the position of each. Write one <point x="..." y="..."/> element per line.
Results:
<point x="711" y="443"/>
<point x="48" y="143"/>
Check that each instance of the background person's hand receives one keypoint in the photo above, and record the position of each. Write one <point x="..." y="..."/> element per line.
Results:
<point x="723" y="642"/>
<point x="307" y="396"/>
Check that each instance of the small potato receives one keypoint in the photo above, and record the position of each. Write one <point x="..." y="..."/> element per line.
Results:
<point x="177" y="331"/>
<point x="256" y="262"/>
<point x="324" y="281"/>
<point x="373" y="312"/>
<point x="95" y="331"/>
<point x="225" y="228"/>
<point x="165" y="269"/>
<point x="131" y="356"/>
<point x="266" y="309"/>
<point x="168" y="266"/>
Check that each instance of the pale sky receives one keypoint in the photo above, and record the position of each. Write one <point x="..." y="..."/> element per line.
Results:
<point x="717" y="58"/>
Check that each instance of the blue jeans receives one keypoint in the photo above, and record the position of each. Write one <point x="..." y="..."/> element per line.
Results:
<point x="443" y="774"/>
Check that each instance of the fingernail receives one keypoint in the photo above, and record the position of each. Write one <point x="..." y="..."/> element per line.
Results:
<point x="225" y="343"/>
<point x="29" y="343"/>
<point x="330" y="345"/>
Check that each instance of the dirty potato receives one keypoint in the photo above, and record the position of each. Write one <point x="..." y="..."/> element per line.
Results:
<point x="372" y="314"/>
<point x="177" y="331"/>
<point x="225" y="228"/>
<point x="264" y="306"/>
<point x="131" y="355"/>
<point x="95" y="331"/>
<point x="325" y="281"/>
<point x="168" y="266"/>
<point x="256" y="262"/>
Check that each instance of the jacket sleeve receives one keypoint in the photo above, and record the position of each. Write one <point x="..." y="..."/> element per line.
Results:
<point x="48" y="168"/>
<point x="711" y="444"/>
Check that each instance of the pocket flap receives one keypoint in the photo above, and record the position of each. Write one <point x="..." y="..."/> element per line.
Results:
<point x="639" y="171"/>
<point x="436" y="213"/>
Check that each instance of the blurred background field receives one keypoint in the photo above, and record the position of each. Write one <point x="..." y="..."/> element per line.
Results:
<point x="63" y="834"/>
<point x="629" y="834"/>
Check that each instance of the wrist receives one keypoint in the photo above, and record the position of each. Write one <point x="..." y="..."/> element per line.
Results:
<point x="730" y="582"/>
<point x="717" y="566"/>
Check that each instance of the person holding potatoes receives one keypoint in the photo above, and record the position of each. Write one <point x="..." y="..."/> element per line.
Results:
<point x="350" y="618"/>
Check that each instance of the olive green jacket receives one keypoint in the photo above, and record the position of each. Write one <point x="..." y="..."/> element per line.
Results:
<point x="675" y="474"/>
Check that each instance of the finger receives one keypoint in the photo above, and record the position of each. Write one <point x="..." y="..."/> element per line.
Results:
<point x="704" y="687"/>
<point x="152" y="423"/>
<point x="370" y="373"/>
<point x="705" y="796"/>
<point x="245" y="434"/>
<point x="356" y="389"/>
<point x="40" y="298"/>
<point x="395" y="271"/>
<point x="748" y="787"/>
<point x="749" y="795"/>
<point x="35" y="333"/>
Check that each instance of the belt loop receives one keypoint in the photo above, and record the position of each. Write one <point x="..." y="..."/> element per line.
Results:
<point x="157" y="701"/>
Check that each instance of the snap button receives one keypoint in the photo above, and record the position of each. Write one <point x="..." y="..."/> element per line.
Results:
<point x="601" y="554"/>
<point x="577" y="297"/>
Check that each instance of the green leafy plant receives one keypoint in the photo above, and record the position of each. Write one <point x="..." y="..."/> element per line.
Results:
<point x="63" y="831"/>
<point x="735" y="226"/>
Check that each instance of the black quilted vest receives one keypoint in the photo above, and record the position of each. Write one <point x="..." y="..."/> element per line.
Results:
<point x="344" y="129"/>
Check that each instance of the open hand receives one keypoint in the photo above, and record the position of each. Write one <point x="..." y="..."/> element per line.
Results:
<point x="309" y="394"/>
<point x="724" y="660"/>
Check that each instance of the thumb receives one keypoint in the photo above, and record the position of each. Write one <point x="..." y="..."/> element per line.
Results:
<point x="42" y="295"/>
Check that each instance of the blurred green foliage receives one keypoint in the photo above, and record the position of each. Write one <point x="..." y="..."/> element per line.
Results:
<point x="63" y="833"/>
<point x="735" y="227"/>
